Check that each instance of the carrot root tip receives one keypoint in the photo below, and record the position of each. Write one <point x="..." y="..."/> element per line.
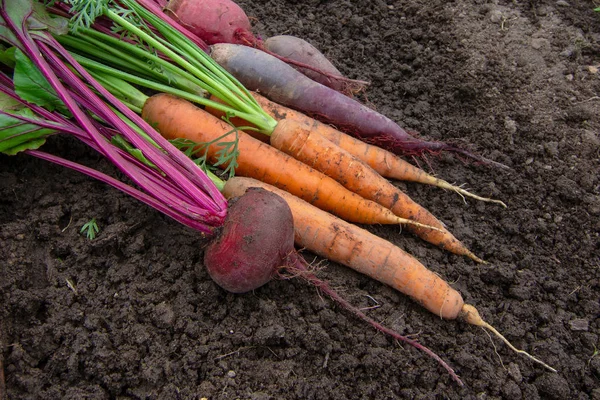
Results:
<point x="470" y="315"/>
<point x="476" y="259"/>
<point x="463" y="192"/>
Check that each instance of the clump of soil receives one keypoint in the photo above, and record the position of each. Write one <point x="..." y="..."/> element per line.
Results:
<point x="133" y="314"/>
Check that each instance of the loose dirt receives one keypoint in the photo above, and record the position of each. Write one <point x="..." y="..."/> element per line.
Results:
<point x="132" y="314"/>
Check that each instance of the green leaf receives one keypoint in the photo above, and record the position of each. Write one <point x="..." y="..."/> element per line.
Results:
<point x="7" y="56"/>
<point x="90" y="229"/>
<point x="17" y="135"/>
<point x="7" y="103"/>
<point x="32" y="144"/>
<point x="33" y="87"/>
<point x="120" y="142"/>
<point x="37" y="19"/>
<point x="41" y="19"/>
<point x="86" y="12"/>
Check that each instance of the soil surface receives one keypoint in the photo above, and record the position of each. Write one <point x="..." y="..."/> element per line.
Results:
<point x="132" y="314"/>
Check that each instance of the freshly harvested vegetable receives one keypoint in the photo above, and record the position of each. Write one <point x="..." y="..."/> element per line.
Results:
<point x="223" y="21"/>
<point x="65" y="84"/>
<point x="384" y="162"/>
<point x="176" y="118"/>
<point x="387" y="164"/>
<point x="309" y="145"/>
<point x="213" y="21"/>
<point x="261" y="72"/>
<point x="369" y="254"/>
<point x="207" y="75"/>
<point x="256" y="244"/>
<point x="255" y="241"/>
<point x="349" y="245"/>
<point x="299" y="50"/>
<point x="68" y="80"/>
<point x="312" y="186"/>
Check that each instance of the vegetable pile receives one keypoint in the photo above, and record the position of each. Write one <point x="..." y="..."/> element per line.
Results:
<point x="223" y="21"/>
<point x="189" y="135"/>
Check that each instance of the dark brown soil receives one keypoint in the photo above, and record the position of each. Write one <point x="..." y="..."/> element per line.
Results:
<point x="133" y="314"/>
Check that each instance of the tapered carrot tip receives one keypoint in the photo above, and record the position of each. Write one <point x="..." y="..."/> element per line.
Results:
<point x="470" y="315"/>
<point x="432" y="180"/>
<point x="475" y="258"/>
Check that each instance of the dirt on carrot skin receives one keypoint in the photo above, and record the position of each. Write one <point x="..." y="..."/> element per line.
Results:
<point x="132" y="313"/>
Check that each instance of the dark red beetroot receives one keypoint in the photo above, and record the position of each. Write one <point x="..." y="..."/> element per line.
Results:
<point x="255" y="242"/>
<point x="263" y="73"/>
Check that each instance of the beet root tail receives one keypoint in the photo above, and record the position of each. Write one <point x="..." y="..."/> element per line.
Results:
<point x="298" y="267"/>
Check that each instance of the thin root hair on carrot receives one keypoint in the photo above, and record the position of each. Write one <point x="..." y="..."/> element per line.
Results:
<point x="470" y="315"/>
<point x="494" y="346"/>
<point x="464" y="192"/>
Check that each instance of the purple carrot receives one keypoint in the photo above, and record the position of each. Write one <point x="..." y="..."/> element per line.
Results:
<point x="307" y="59"/>
<point x="274" y="79"/>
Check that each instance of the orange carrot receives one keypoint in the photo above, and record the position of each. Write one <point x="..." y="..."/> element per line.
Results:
<point x="386" y="163"/>
<point x="177" y="118"/>
<point x="320" y="153"/>
<point x="312" y="148"/>
<point x="354" y="247"/>
<point x="350" y="245"/>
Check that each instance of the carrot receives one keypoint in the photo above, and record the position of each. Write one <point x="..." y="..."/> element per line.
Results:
<point x="354" y="247"/>
<point x="386" y="163"/>
<point x="259" y="71"/>
<point x="177" y="118"/>
<point x="312" y="148"/>
<point x="315" y="150"/>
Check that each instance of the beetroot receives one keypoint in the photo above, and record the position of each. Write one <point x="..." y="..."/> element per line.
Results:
<point x="254" y="243"/>
<point x="214" y="21"/>
<point x="257" y="242"/>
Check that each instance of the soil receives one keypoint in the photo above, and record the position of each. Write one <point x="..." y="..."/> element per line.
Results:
<point x="132" y="314"/>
